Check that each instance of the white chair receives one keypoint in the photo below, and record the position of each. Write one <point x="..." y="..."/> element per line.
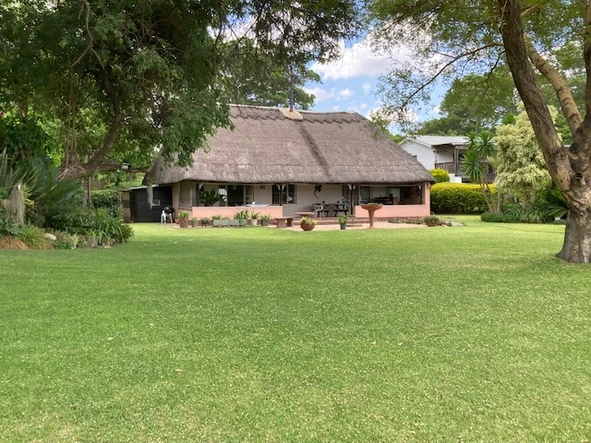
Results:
<point x="318" y="210"/>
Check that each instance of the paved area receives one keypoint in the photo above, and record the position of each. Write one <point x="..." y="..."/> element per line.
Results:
<point x="377" y="225"/>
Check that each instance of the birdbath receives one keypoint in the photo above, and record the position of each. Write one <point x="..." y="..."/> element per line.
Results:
<point x="371" y="208"/>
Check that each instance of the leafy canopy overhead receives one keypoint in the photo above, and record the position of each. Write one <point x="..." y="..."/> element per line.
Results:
<point x="121" y="79"/>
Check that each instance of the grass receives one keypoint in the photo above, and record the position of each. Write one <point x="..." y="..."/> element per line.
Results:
<point x="476" y="333"/>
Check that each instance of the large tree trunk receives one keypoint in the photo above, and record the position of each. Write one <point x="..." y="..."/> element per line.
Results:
<point x="577" y="238"/>
<point x="568" y="167"/>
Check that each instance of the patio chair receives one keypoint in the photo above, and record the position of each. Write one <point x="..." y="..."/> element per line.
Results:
<point x="318" y="210"/>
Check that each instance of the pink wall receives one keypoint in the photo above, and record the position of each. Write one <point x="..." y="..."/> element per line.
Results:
<point x="229" y="211"/>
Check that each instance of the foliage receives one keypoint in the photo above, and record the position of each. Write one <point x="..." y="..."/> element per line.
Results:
<point x="476" y="163"/>
<point x="183" y="215"/>
<point x="307" y="221"/>
<point x="109" y="199"/>
<point x="474" y="103"/>
<point x="33" y="237"/>
<point x="458" y="198"/>
<point x="440" y="175"/>
<point x="210" y="198"/>
<point x="553" y="203"/>
<point x="241" y="215"/>
<point x="24" y="138"/>
<point x="66" y="240"/>
<point x="54" y="200"/>
<point x="521" y="171"/>
<point x="431" y="220"/>
<point x="343" y="218"/>
<point x="254" y="215"/>
<point x="120" y="78"/>
<point x="517" y="214"/>
<point x="450" y="39"/>
<point x="99" y="224"/>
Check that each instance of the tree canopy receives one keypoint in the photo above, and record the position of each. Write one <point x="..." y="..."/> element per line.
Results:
<point x="552" y="37"/>
<point x="520" y="169"/>
<point x="118" y="80"/>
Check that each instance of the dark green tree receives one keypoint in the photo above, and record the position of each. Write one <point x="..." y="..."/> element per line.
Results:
<point x="122" y="79"/>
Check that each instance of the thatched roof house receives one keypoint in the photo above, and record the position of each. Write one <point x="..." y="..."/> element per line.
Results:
<point x="265" y="146"/>
<point x="271" y="149"/>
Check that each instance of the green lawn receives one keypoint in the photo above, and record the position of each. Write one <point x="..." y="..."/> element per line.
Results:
<point x="248" y="335"/>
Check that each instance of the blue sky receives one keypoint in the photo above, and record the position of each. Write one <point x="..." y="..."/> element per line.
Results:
<point x="349" y="84"/>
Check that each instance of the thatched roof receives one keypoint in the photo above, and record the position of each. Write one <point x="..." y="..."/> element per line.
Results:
<point x="265" y="146"/>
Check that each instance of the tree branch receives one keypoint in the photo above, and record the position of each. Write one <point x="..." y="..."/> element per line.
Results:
<point x="92" y="165"/>
<point x="442" y="69"/>
<point x="561" y="88"/>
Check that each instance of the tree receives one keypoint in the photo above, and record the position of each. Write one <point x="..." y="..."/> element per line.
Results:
<point x="121" y="79"/>
<point x="265" y="80"/>
<point x="475" y="164"/>
<point x="520" y="170"/>
<point x="474" y="103"/>
<point x="456" y="37"/>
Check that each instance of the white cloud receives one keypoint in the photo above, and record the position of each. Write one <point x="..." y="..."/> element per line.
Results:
<point x="344" y="94"/>
<point x="366" y="87"/>
<point x="321" y="94"/>
<point x="360" y="60"/>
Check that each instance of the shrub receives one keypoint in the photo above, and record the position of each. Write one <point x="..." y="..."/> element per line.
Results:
<point x="440" y="175"/>
<point x="499" y="218"/>
<point x="108" y="199"/>
<point x="458" y="198"/>
<point x="10" y="242"/>
<point x="66" y="241"/>
<point x="33" y="237"/>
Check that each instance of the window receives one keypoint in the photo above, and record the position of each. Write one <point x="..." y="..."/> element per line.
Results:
<point x="185" y="195"/>
<point x="284" y="194"/>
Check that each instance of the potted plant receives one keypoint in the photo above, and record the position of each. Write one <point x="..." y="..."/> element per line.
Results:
<point x="183" y="218"/>
<point x="307" y="224"/>
<point x="343" y="219"/>
<point x="194" y="222"/>
<point x="204" y="221"/>
<point x="254" y="216"/>
<point x="265" y="220"/>
<point x="431" y="220"/>
<point x="217" y="220"/>
<point x="241" y="217"/>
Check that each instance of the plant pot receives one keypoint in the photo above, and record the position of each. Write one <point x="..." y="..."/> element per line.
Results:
<point x="343" y="226"/>
<point x="307" y="226"/>
<point x="241" y="222"/>
<point x="194" y="223"/>
<point x="264" y="222"/>
<point x="254" y="222"/>
<point x="184" y="222"/>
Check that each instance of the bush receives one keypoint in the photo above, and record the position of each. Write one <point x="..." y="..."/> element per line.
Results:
<point x="33" y="237"/>
<point x="499" y="218"/>
<point x="109" y="199"/>
<point x="458" y="198"/>
<point x="66" y="241"/>
<point x="440" y="175"/>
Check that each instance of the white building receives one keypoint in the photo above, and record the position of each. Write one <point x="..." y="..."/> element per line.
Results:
<point x="438" y="151"/>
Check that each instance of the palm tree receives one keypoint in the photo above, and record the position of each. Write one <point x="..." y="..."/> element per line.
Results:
<point x="480" y="155"/>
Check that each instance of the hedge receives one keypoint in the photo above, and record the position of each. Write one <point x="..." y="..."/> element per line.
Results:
<point x="440" y="175"/>
<point x="458" y="198"/>
<point x="108" y="199"/>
